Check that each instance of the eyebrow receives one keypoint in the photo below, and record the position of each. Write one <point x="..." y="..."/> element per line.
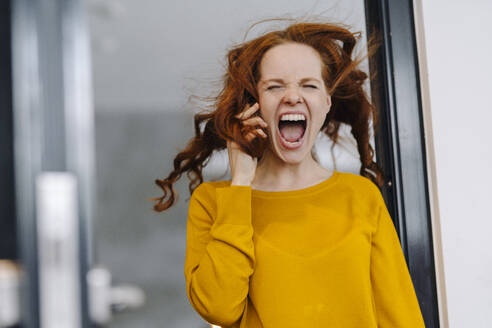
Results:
<point x="306" y="79"/>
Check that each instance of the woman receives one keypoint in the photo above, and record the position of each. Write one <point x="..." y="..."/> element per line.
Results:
<point x="286" y="242"/>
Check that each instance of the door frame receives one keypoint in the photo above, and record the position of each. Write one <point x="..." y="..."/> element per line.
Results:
<point x="401" y="144"/>
<point x="8" y="239"/>
<point x="53" y="128"/>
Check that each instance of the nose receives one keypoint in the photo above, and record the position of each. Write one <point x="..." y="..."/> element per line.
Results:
<point x="292" y="95"/>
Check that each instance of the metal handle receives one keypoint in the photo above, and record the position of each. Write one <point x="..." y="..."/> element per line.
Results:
<point x="105" y="299"/>
<point x="58" y="236"/>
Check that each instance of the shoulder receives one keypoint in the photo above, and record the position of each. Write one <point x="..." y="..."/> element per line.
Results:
<point x="205" y="192"/>
<point x="360" y="185"/>
<point x="365" y="193"/>
<point x="203" y="206"/>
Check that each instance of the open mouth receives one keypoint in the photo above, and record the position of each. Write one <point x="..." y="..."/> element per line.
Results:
<point x="292" y="131"/>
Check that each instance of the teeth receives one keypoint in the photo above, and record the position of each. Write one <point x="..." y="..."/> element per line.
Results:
<point x="295" y="143"/>
<point x="292" y="117"/>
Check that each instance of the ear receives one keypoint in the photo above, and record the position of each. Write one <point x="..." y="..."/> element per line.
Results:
<point x="328" y="101"/>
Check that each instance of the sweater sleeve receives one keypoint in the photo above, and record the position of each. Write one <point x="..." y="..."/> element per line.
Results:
<point x="219" y="253"/>
<point x="394" y="295"/>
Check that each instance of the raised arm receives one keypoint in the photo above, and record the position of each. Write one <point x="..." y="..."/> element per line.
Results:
<point x="219" y="252"/>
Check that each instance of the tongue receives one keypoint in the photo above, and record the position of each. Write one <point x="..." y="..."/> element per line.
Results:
<point x="291" y="132"/>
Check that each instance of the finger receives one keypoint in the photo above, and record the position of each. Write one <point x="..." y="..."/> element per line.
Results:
<point x="255" y="121"/>
<point x="239" y="115"/>
<point x="245" y="109"/>
<point x="262" y="133"/>
<point x="255" y="133"/>
<point x="250" y="136"/>
<point x="248" y="111"/>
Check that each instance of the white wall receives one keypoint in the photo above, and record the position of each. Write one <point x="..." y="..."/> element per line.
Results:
<point x="152" y="54"/>
<point x="458" y="51"/>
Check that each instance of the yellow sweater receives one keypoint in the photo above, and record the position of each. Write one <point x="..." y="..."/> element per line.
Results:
<point x="324" y="256"/>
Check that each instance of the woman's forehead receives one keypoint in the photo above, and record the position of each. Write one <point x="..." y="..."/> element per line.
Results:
<point x="290" y="60"/>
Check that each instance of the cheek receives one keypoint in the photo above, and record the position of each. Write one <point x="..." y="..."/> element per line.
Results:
<point x="322" y="106"/>
<point x="319" y="109"/>
<point x="267" y="107"/>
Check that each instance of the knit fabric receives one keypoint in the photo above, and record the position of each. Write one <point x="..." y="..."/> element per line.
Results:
<point x="324" y="256"/>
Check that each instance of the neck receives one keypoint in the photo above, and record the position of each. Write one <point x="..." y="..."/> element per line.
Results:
<point x="273" y="173"/>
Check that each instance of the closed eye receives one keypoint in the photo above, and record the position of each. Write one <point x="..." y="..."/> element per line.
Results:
<point x="310" y="86"/>
<point x="273" y="87"/>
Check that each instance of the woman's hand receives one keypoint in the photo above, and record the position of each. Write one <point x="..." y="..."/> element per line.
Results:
<point x="243" y="166"/>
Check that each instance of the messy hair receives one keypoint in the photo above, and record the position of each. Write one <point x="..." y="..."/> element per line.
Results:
<point x="342" y="77"/>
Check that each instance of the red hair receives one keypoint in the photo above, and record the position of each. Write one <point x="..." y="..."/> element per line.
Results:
<point x="350" y="104"/>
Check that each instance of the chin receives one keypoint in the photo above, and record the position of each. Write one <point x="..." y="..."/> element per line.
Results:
<point x="292" y="157"/>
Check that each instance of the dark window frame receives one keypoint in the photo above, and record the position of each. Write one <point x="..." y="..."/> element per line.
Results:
<point x="8" y="230"/>
<point x="400" y="143"/>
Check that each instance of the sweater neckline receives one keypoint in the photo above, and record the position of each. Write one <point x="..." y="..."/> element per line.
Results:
<point x="298" y="192"/>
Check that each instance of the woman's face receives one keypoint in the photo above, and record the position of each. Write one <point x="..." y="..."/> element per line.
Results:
<point x="291" y="82"/>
